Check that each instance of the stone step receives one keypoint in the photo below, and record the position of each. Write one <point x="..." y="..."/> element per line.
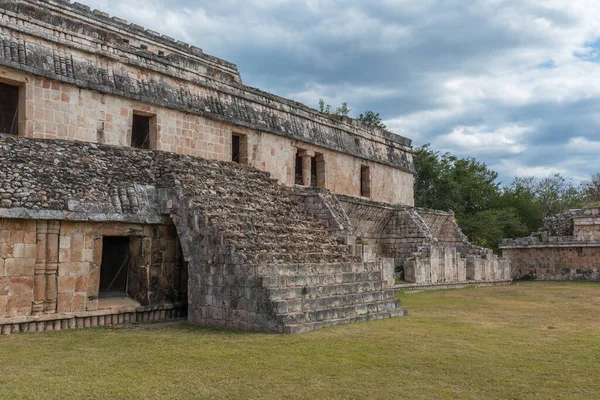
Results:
<point x="311" y="326"/>
<point x="317" y="257"/>
<point x="314" y="292"/>
<point x="271" y="270"/>
<point x="338" y="313"/>
<point x="332" y="301"/>
<point x="301" y="281"/>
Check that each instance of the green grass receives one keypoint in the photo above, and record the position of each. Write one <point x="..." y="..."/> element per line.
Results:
<point x="532" y="340"/>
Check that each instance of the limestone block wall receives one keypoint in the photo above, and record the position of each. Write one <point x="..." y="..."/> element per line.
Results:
<point x="565" y="261"/>
<point x="404" y="234"/>
<point x="49" y="267"/>
<point x="570" y="255"/>
<point x="55" y="110"/>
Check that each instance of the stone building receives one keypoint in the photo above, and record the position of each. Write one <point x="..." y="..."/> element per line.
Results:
<point x="566" y="248"/>
<point x="141" y="180"/>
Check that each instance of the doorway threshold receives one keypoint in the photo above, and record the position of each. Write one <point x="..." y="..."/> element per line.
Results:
<point x="112" y="303"/>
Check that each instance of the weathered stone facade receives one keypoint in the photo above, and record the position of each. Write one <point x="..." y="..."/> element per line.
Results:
<point x="567" y="248"/>
<point x="140" y="180"/>
<point x="260" y="256"/>
<point x="83" y="76"/>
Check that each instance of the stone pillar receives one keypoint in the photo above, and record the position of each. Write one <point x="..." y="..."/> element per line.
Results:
<point x="307" y="156"/>
<point x="39" y="282"/>
<point x="51" y="266"/>
<point x="321" y="171"/>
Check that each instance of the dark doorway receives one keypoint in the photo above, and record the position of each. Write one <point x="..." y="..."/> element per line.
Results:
<point x="235" y="148"/>
<point x="140" y="132"/>
<point x="313" y="171"/>
<point x="239" y="148"/>
<point x="115" y="265"/>
<point x="298" y="171"/>
<point x="9" y="109"/>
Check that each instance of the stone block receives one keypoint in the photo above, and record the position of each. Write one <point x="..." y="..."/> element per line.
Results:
<point x="67" y="284"/>
<point x="64" y="302"/>
<point x="21" y="286"/>
<point x="65" y="242"/>
<point x="6" y="250"/>
<point x="19" y="305"/>
<point x="82" y="283"/>
<point x="3" y="304"/>
<point x="79" y="302"/>
<point x="68" y="269"/>
<point x="4" y="286"/>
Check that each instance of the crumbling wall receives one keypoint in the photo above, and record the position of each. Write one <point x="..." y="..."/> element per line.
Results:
<point x="566" y="248"/>
<point x="425" y="246"/>
<point x="574" y="261"/>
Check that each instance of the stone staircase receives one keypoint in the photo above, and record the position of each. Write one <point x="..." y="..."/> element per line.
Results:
<point x="311" y="296"/>
<point x="311" y="277"/>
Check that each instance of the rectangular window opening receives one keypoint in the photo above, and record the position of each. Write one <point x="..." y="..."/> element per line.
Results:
<point x="235" y="148"/>
<point x="9" y="109"/>
<point x="298" y="170"/>
<point x="239" y="148"/>
<point x="365" y="181"/>
<point x="115" y="265"/>
<point x="140" y="132"/>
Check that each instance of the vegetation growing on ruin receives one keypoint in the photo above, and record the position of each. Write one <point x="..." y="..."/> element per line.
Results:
<point x="532" y="340"/>
<point x="368" y="117"/>
<point x="486" y="210"/>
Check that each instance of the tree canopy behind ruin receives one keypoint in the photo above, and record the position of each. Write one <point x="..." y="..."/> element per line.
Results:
<point x="486" y="210"/>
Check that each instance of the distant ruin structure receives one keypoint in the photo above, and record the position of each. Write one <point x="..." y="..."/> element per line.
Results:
<point x="566" y="248"/>
<point x="141" y="180"/>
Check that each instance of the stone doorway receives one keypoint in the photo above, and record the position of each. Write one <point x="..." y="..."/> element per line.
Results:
<point x="115" y="266"/>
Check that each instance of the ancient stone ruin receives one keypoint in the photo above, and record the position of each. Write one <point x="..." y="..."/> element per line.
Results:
<point x="566" y="248"/>
<point x="140" y="180"/>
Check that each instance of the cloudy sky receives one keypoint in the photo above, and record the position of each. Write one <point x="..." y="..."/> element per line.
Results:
<point x="513" y="83"/>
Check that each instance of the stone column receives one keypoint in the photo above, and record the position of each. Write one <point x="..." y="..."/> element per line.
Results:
<point x="51" y="266"/>
<point x="307" y="156"/>
<point x="321" y="171"/>
<point x="39" y="283"/>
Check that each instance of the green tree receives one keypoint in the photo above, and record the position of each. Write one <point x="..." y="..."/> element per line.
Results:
<point x="591" y="190"/>
<point x="521" y="195"/>
<point x="446" y="182"/>
<point x="341" y="111"/>
<point x="487" y="228"/>
<point x="371" y="118"/>
<point x="485" y="211"/>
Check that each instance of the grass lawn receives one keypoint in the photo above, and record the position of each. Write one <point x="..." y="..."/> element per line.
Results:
<point x="532" y="340"/>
